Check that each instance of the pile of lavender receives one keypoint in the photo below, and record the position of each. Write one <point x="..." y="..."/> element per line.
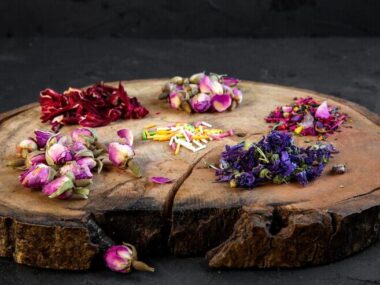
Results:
<point x="202" y="93"/>
<point x="275" y="158"/>
<point x="62" y="166"/>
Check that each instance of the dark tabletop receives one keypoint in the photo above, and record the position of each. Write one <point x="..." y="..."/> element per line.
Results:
<point x="346" y="68"/>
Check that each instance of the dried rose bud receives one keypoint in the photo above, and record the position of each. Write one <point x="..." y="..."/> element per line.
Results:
<point x="322" y="111"/>
<point x="121" y="258"/>
<point x="210" y="85"/>
<point x="120" y="154"/>
<point x="35" y="157"/>
<point x="127" y="135"/>
<point x="88" y="161"/>
<point x="195" y="78"/>
<point x="42" y="137"/>
<point x="61" y="188"/>
<point x="237" y="95"/>
<point x="37" y="176"/>
<point x="220" y="103"/>
<point x="177" y="80"/>
<point x="82" y="173"/>
<point x="168" y="87"/>
<point x="200" y="103"/>
<point x="85" y="136"/>
<point x="77" y="147"/>
<point x="58" y="154"/>
<point x="175" y="99"/>
<point x="26" y="146"/>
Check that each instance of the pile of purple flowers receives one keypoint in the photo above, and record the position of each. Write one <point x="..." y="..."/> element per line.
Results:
<point x="62" y="166"/>
<point x="275" y="158"/>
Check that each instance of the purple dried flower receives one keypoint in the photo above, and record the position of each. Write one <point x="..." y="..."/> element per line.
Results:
<point x="58" y="154"/>
<point x="42" y="137"/>
<point x="200" y="103"/>
<point x="230" y="81"/>
<point x="222" y="102"/>
<point x="160" y="180"/>
<point x="35" y="157"/>
<point x="85" y="136"/>
<point x="121" y="258"/>
<point x="26" y="146"/>
<point x="37" y="176"/>
<point x="61" y="188"/>
<point x="127" y="135"/>
<point x="274" y="158"/>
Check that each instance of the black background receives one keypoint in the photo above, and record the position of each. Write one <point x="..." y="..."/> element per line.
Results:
<point x="328" y="46"/>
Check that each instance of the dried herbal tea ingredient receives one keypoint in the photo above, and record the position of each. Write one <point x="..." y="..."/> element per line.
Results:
<point x="339" y="169"/>
<point x="160" y="180"/>
<point x="307" y="117"/>
<point x="193" y="137"/>
<point x="62" y="166"/>
<point x="202" y="92"/>
<point x="94" y="106"/>
<point x="122" y="258"/>
<point x="275" y="158"/>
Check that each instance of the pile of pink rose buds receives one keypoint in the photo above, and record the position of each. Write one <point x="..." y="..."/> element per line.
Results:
<point x="202" y="93"/>
<point x="62" y="166"/>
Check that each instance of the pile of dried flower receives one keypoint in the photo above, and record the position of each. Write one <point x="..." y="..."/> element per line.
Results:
<point x="193" y="137"/>
<point x="306" y="116"/>
<point x="94" y="106"/>
<point x="63" y="165"/>
<point x="275" y="158"/>
<point x="202" y="93"/>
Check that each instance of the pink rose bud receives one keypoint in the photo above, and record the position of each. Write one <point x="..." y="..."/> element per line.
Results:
<point x="200" y="103"/>
<point x="127" y="135"/>
<point x="42" y="137"/>
<point x="210" y="85"/>
<point x="175" y="99"/>
<point x="58" y="154"/>
<point x="82" y="173"/>
<point x="26" y="146"/>
<point x="61" y="188"/>
<point x="230" y="81"/>
<point x="88" y="161"/>
<point x="237" y="95"/>
<point x="121" y="258"/>
<point x="322" y="111"/>
<point x="37" y="176"/>
<point x="85" y="136"/>
<point x="120" y="154"/>
<point x="195" y="78"/>
<point x="35" y="157"/>
<point x="77" y="147"/>
<point x="220" y="103"/>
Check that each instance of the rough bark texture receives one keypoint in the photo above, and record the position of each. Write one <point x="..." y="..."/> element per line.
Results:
<point x="287" y="225"/>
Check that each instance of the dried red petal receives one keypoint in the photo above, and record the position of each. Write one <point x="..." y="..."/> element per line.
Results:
<point x="94" y="106"/>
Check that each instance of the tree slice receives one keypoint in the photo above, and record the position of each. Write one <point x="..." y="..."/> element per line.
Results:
<point x="285" y="225"/>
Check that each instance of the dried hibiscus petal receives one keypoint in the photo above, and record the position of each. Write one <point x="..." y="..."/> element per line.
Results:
<point x="94" y="106"/>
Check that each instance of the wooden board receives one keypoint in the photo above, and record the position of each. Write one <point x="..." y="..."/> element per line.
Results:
<point x="286" y="225"/>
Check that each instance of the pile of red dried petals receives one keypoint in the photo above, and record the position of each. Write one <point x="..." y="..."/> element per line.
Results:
<point x="307" y="117"/>
<point x="94" y="106"/>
